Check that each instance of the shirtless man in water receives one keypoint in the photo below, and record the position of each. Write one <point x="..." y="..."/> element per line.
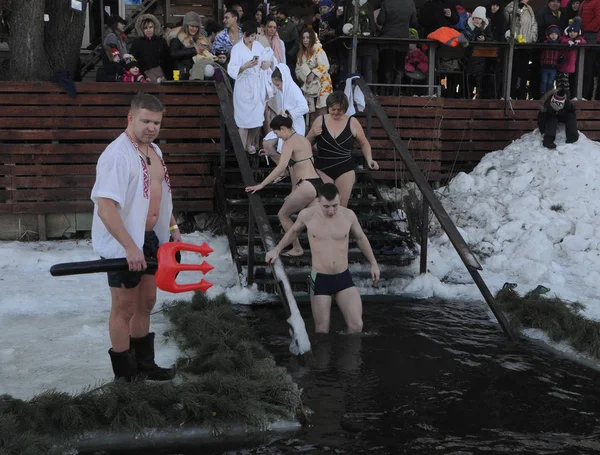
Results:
<point x="328" y="225"/>
<point x="133" y="216"/>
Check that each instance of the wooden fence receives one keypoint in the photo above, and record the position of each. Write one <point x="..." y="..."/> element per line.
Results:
<point x="446" y="136"/>
<point x="50" y="142"/>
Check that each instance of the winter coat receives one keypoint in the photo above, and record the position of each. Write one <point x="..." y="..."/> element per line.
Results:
<point x="548" y="118"/>
<point x="476" y="65"/>
<point x="569" y="62"/>
<point x="110" y="72"/>
<point x="116" y="40"/>
<point x="568" y="14"/>
<point x="526" y="23"/>
<point x="431" y="15"/>
<point x="288" y="33"/>
<point x="498" y="22"/>
<point x="416" y="60"/>
<point x="128" y="77"/>
<point x="545" y="18"/>
<point x="183" y="46"/>
<point x="395" y="18"/>
<point x="549" y="57"/>
<point x="590" y="16"/>
<point x="152" y="52"/>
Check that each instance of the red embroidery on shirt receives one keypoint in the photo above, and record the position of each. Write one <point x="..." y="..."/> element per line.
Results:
<point x="167" y="180"/>
<point x="146" y="178"/>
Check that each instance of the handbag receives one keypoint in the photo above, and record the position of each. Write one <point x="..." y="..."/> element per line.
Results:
<point x="312" y="89"/>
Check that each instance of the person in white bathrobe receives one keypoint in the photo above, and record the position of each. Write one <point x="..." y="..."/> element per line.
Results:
<point x="249" y="65"/>
<point x="289" y="98"/>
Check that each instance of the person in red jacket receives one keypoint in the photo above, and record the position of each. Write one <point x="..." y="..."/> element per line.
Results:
<point x="590" y="24"/>
<point x="567" y="67"/>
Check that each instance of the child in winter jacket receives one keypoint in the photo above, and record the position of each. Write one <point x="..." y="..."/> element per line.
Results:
<point x="132" y="72"/>
<point x="566" y="78"/>
<point x="550" y="59"/>
<point x="416" y="63"/>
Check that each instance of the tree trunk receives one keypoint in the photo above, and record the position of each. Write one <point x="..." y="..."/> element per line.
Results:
<point x="28" y="60"/>
<point x="63" y="35"/>
<point x="37" y="52"/>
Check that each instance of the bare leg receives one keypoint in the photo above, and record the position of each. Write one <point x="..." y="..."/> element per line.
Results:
<point x="122" y="310"/>
<point x="139" y="326"/>
<point x="321" y="310"/>
<point x="300" y="197"/>
<point x="344" y="184"/>
<point x="253" y="137"/>
<point x="350" y="305"/>
<point x="244" y="136"/>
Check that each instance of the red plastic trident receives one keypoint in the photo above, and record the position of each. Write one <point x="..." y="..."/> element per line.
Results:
<point x="169" y="267"/>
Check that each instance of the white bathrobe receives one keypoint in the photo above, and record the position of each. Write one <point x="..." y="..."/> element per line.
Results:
<point x="249" y="94"/>
<point x="290" y="98"/>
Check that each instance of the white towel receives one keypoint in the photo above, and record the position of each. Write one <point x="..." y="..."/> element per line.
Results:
<point x="355" y="96"/>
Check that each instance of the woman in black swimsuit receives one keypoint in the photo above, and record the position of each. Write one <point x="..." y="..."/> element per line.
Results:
<point x="335" y="134"/>
<point x="297" y="154"/>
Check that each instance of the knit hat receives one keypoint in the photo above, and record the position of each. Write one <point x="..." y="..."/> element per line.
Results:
<point x="552" y="29"/>
<point x="114" y="52"/>
<point x="131" y="62"/>
<point x="558" y="100"/>
<point x="575" y="26"/>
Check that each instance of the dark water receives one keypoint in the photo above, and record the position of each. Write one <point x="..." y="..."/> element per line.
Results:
<point x="433" y="378"/>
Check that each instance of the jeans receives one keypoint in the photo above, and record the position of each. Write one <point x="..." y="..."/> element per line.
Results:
<point x="548" y="76"/>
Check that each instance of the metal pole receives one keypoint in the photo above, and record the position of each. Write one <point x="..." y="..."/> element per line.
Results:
<point x="102" y="22"/>
<point x="354" y="35"/>
<point x="431" y="70"/>
<point x="251" y="232"/>
<point x="580" y="65"/>
<point x="511" y="53"/>
<point x="424" y="237"/>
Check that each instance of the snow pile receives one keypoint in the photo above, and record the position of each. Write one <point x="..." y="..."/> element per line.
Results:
<point x="531" y="215"/>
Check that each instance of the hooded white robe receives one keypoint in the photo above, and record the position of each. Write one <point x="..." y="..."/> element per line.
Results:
<point x="249" y="93"/>
<point x="290" y="98"/>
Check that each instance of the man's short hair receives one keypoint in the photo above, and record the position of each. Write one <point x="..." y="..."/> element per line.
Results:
<point x="211" y="27"/>
<point x="282" y="10"/>
<point x="234" y="13"/>
<point x="329" y="191"/>
<point x="146" y="101"/>
<point x="249" y="28"/>
<point x="337" y="98"/>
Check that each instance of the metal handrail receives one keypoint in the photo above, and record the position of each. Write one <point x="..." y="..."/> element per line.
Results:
<point x="300" y="343"/>
<point x="463" y="250"/>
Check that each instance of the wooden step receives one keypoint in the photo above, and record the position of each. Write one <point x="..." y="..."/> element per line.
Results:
<point x="278" y="202"/>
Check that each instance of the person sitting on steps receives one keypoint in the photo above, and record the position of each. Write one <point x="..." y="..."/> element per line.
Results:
<point x="555" y="107"/>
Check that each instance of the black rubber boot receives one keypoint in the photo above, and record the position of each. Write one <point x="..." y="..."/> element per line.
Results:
<point x="124" y="365"/>
<point x="549" y="144"/>
<point x="144" y="356"/>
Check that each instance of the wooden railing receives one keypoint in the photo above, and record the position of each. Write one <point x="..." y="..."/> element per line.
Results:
<point x="50" y="142"/>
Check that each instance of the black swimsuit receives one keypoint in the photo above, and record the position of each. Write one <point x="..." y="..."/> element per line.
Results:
<point x="335" y="154"/>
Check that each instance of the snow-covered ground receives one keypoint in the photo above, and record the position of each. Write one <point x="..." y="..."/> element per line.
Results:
<point x="531" y="214"/>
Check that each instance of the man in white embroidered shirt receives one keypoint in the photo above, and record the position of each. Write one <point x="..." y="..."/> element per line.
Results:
<point x="133" y="216"/>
